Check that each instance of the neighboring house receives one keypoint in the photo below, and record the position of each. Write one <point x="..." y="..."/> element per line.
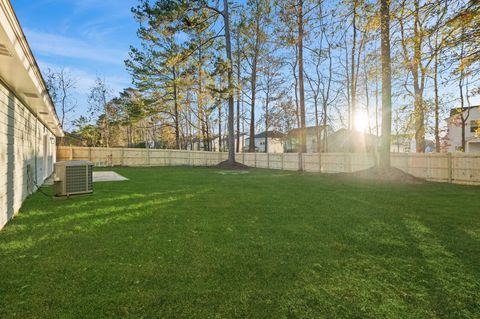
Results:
<point x="345" y="140"/>
<point x="198" y="144"/>
<point x="405" y="143"/>
<point x="28" y="122"/>
<point x="224" y="148"/>
<point x="274" y="139"/>
<point x="453" y="140"/>
<point x="292" y="141"/>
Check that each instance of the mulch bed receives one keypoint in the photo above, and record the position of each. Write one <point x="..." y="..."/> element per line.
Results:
<point x="394" y="175"/>
<point x="235" y="166"/>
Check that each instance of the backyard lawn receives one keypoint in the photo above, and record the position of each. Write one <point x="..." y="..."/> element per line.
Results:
<point x="206" y="243"/>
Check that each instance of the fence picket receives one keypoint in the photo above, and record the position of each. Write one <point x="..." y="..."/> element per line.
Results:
<point x="460" y="168"/>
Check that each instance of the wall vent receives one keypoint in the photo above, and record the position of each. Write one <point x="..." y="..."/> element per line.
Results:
<point x="4" y="51"/>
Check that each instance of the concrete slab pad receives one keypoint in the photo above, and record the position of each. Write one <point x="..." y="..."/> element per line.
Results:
<point x="108" y="177"/>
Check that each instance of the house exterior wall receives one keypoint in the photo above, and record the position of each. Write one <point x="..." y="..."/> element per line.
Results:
<point x="275" y="145"/>
<point x="402" y="144"/>
<point x="292" y="143"/>
<point x="27" y="153"/>
<point x="453" y="140"/>
<point x="216" y="146"/>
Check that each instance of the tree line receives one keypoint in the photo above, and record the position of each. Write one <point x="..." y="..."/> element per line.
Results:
<point x="216" y="69"/>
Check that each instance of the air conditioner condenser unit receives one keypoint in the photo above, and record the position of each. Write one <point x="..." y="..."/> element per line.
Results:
<point x="73" y="178"/>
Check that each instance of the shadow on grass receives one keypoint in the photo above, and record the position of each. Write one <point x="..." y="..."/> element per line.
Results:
<point x="381" y="270"/>
<point x="84" y="216"/>
<point x="295" y="246"/>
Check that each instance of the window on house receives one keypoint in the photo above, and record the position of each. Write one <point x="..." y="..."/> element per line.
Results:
<point x="474" y="125"/>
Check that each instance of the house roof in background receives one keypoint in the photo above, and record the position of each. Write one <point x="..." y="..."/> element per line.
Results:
<point x="310" y="129"/>
<point x="459" y="110"/>
<point x="352" y="133"/>
<point x="270" y="134"/>
<point x="214" y="137"/>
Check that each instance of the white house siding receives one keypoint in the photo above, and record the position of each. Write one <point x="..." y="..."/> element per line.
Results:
<point x="26" y="147"/>
<point x="215" y="142"/>
<point x="453" y="139"/>
<point x="275" y="145"/>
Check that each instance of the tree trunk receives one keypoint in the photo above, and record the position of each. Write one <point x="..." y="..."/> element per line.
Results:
<point x="254" y="85"/>
<point x="266" y="131"/>
<point x="220" y="126"/>
<point x="251" y="147"/>
<point x="462" y="104"/>
<point x="386" y="85"/>
<point x="353" y="88"/>
<point x="317" y="121"/>
<point x="175" y="101"/>
<point x="347" y="86"/>
<point x="238" y="91"/>
<point x="303" y="141"/>
<point x="231" y="107"/>
<point x="201" y="111"/>
<point x="295" y="77"/>
<point x="376" y="103"/>
<point x="437" y="104"/>
<point x="418" y="88"/>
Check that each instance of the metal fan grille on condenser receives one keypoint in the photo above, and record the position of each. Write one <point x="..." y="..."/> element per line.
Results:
<point x="73" y="177"/>
<point x="78" y="179"/>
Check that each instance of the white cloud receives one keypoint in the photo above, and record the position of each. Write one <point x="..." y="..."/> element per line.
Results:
<point x="57" y="45"/>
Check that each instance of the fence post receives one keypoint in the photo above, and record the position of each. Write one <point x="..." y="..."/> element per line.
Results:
<point x="450" y="167"/>
<point x="148" y="157"/>
<point x="427" y="170"/>
<point x="346" y="162"/>
<point x="122" y="154"/>
<point x="319" y="162"/>
<point x="283" y="159"/>
<point x="268" y="160"/>
<point x="255" y="158"/>
<point x="407" y="166"/>
<point x="90" y="154"/>
<point x="71" y="152"/>
<point x="300" y="162"/>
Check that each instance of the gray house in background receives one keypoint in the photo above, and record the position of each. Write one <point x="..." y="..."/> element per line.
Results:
<point x="345" y="141"/>
<point x="292" y="141"/>
<point x="28" y="122"/>
<point x="274" y="142"/>
<point x="340" y="141"/>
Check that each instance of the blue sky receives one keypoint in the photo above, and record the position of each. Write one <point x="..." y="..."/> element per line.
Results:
<point x="90" y="38"/>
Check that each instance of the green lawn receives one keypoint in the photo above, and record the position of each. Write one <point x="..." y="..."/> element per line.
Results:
<point x="202" y="243"/>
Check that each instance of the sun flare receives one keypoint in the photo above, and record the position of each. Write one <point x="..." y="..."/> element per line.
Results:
<point x="361" y="121"/>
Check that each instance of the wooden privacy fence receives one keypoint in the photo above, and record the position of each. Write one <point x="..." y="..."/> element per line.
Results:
<point x="460" y="168"/>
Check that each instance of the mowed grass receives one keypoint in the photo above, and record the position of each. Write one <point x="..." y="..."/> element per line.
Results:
<point x="204" y="243"/>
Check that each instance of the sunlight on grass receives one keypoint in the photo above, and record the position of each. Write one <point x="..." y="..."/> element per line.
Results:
<point x="449" y="273"/>
<point x="183" y="242"/>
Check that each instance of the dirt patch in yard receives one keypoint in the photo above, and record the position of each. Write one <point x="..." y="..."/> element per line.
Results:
<point x="393" y="175"/>
<point x="235" y="166"/>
